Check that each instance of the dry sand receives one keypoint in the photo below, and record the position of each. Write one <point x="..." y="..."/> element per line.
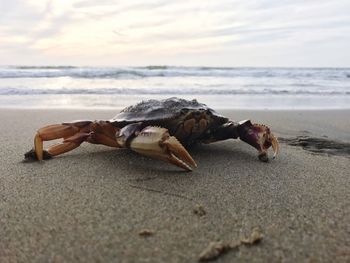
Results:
<point x="91" y="205"/>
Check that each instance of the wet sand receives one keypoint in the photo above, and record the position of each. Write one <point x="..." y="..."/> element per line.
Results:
<point x="95" y="204"/>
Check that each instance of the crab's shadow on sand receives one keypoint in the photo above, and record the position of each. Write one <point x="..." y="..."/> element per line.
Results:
<point x="213" y="155"/>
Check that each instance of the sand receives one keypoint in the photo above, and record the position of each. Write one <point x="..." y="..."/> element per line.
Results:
<point x="91" y="205"/>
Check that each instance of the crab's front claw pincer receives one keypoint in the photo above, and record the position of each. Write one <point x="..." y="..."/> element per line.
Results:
<point x="260" y="137"/>
<point x="156" y="142"/>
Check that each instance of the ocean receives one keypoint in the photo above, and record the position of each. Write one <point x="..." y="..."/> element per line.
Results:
<point x="64" y="87"/>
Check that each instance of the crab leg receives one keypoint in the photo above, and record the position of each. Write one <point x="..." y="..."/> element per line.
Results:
<point x="74" y="134"/>
<point x="53" y="132"/>
<point x="156" y="142"/>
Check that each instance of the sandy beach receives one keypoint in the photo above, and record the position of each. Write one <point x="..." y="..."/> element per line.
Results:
<point x="90" y="205"/>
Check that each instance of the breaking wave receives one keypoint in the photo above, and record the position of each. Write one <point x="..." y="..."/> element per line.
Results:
<point x="99" y="87"/>
<point x="162" y="91"/>
<point x="168" y="71"/>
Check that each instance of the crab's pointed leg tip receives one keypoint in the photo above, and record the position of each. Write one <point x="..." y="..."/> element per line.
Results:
<point x="274" y="156"/>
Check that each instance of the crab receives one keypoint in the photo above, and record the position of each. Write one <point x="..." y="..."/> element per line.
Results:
<point x="160" y="129"/>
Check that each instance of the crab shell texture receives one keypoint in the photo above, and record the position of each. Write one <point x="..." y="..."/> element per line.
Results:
<point x="173" y="114"/>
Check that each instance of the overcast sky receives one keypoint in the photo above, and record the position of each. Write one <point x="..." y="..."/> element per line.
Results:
<point x="183" y="32"/>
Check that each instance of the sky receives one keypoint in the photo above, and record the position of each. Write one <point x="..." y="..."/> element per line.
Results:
<point x="256" y="33"/>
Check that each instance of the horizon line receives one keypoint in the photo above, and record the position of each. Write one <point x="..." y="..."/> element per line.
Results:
<point x="47" y="66"/>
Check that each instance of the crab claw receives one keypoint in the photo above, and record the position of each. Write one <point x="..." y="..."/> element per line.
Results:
<point x="266" y="140"/>
<point x="157" y="143"/>
<point x="260" y="137"/>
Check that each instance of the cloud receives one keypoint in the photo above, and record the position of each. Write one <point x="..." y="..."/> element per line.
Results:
<point x="175" y="31"/>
